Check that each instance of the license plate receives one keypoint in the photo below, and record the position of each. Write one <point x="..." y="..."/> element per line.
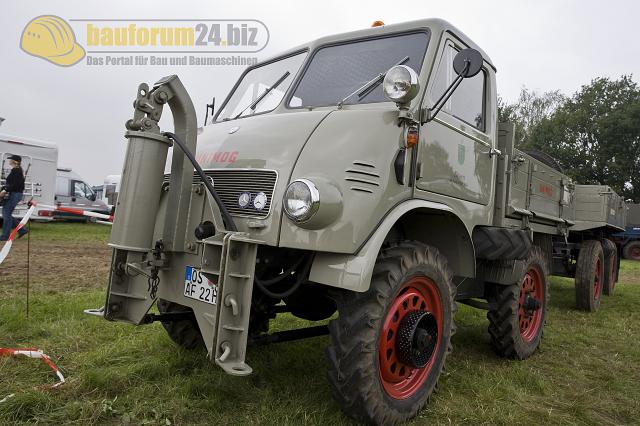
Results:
<point x="199" y="287"/>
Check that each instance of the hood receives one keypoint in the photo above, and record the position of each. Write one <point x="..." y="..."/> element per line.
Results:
<point x="269" y="141"/>
<point x="258" y="154"/>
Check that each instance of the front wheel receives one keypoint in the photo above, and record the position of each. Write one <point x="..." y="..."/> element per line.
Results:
<point x="185" y="333"/>
<point x="389" y="344"/>
<point x="518" y="312"/>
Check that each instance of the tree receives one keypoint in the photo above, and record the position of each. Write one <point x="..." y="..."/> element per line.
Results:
<point x="528" y="111"/>
<point x="596" y="135"/>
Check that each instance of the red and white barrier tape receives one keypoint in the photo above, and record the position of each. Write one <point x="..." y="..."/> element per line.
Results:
<point x="107" y="219"/>
<point x="7" y="246"/>
<point x="38" y="354"/>
<point x="79" y="212"/>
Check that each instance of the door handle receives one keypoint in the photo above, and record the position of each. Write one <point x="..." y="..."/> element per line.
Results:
<point x="492" y="152"/>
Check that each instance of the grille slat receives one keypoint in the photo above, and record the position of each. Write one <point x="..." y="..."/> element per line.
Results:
<point x="230" y="183"/>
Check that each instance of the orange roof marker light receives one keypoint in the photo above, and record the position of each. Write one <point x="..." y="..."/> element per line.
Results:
<point x="377" y="24"/>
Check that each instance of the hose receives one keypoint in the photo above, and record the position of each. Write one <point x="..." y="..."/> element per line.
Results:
<point x="282" y="276"/>
<point x="226" y="217"/>
<point x="302" y="275"/>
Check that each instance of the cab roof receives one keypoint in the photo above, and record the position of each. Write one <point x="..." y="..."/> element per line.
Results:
<point x="437" y="27"/>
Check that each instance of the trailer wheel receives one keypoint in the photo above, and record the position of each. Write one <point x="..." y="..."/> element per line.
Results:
<point x="632" y="250"/>
<point x="185" y="333"/>
<point x="610" y="267"/>
<point x="389" y="344"/>
<point x="517" y="318"/>
<point x="589" y="276"/>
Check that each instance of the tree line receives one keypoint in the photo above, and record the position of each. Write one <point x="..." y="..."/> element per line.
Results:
<point x="594" y="134"/>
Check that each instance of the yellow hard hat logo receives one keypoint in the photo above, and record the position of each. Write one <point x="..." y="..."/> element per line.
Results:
<point x="50" y="37"/>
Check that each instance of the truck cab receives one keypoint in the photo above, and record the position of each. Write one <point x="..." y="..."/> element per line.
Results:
<point x="72" y="191"/>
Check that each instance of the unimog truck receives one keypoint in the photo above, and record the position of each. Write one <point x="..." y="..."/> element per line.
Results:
<point x="361" y="178"/>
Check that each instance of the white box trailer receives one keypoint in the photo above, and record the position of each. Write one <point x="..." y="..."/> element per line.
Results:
<point x="108" y="191"/>
<point x="39" y="162"/>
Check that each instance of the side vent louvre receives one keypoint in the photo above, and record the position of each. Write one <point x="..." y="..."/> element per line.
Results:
<point x="363" y="176"/>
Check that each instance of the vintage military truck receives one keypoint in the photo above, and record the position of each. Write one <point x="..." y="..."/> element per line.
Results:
<point x="364" y="174"/>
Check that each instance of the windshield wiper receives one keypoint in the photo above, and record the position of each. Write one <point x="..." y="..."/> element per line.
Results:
<point x="368" y="87"/>
<point x="268" y="90"/>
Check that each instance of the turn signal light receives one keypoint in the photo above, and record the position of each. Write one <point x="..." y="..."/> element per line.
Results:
<point x="377" y="24"/>
<point x="45" y="213"/>
<point x="412" y="137"/>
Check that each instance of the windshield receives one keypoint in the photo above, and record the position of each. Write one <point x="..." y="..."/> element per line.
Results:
<point x="336" y="71"/>
<point x="257" y="82"/>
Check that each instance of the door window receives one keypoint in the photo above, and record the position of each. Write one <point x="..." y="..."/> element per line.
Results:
<point x="81" y="189"/>
<point x="467" y="102"/>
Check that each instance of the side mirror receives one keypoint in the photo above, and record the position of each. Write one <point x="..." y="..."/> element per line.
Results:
<point x="467" y="63"/>
<point x="92" y="197"/>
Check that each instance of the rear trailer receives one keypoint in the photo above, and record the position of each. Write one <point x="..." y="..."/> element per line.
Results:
<point x="572" y="224"/>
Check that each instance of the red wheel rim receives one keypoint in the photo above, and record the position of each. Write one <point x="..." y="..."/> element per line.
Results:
<point x="401" y="381"/>
<point x="597" y="280"/>
<point x="530" y="316"/>
<point x="634" y="253"/>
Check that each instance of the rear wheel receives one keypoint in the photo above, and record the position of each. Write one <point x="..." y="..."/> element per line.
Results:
<point x="632" y="250"/>
<point x="589" y="276"/>
<point x="610" y="267"/>
<point x="517" y="318"/>
<point x="185" y="333"/>
<point x="389" y="344"/>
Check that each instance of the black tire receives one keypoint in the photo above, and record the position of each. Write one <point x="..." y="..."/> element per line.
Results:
<point x="631" y="250"/>
<point x="545" y="242"/>
<point x="589" y="276"/>
<point x="518" y="312"/>
<point x="358" y="357"/>
<point x="185" y="333"/>
<point x="493" y="243"/>
<point x="544" y="158"/>
<point x="610" y="267"/>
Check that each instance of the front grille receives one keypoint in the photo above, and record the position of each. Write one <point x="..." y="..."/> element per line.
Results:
<point x="230" y="183"/>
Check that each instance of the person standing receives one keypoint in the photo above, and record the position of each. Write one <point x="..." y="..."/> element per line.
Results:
<point x="12" y="194"/>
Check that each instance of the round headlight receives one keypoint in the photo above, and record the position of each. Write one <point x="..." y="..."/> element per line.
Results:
<point x="301" y="200"/>
<point x="401" y="84"/>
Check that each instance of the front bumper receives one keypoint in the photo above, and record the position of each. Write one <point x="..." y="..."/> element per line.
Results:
<point x="228" y="259"/>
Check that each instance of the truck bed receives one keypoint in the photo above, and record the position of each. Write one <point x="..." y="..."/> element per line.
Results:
<point x="539" y="196"/>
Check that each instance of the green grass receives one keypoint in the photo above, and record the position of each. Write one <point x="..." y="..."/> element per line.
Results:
<point x="69" y="231"/>
<point x="587" y="370"/>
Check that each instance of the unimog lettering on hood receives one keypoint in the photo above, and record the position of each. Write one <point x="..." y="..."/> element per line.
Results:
<point x="218" y="157"/>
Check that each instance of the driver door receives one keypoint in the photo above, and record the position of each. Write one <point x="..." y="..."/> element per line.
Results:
<point x="455" y="147"/>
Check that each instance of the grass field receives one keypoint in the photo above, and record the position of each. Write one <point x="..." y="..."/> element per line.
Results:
<point x="587" y="370"/>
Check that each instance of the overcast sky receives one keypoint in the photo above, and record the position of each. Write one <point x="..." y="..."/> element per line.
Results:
<point x="543" y="44"/>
